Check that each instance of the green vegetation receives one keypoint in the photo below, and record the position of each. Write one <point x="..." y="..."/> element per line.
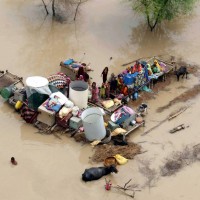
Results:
<point x="156" y="11"/>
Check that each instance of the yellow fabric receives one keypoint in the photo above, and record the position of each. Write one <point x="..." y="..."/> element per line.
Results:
<point x="94" y="143"/>
<point x="108" y="103"/>
<point x="157" y="64"/>
<point x="18" y="105"/>
<point x="117" y="101"/>
<point x="64" y="111"/>
<point x="120" y="159"/>
<point x="118" y="131"/>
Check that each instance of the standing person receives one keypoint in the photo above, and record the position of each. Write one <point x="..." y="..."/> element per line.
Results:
<point x="105" y="74"/>
<point x="86" y="77"/>
<point x="95" y="93"/>
<point x="103" y="91"/>
<point x="113" y="84"/>
<point x="107" y="91"/>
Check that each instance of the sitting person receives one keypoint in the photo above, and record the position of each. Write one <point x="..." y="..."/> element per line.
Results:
<point x="149" y="70"/>
<point x="82" y="75"/>
<point x="137" y="67"/>
<point x="80" y="72"/>
<point x="156" y="68"/>
<point x="111" y="77"/>
<point x="128" y="70"/>
<point x="95" y="93"/>
<point x="119" y="81"/>
<point x="124" y="90"/>
<point x="80" y="78"/>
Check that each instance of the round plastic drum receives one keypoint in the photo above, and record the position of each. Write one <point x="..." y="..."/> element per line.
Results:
<point x="78" y="93"/>
<point x="36" y="81"/>
<point x="93" y="124"/>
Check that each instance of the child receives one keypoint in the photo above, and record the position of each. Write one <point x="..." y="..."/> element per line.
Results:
<point x="95" y="93"/>
<point x="107" y="90"/>
<point x="103" y="91"/>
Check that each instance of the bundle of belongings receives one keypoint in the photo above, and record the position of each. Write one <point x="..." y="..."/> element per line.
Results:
<point x="28" y="114"/>
<point x="111" y="102"/>
<point x="46" y="104"/>
<point x="48" y="110"/>
<point x="107" y="103"/>
<point x="122" y="114"/>
<point x="75" y="65"/>
<point x="55" y="101"/>
<point x="59" y="80"/>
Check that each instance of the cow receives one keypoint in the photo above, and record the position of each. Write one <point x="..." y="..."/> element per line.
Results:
<point x="96" y="173"/>
<point x="181" y="71"/>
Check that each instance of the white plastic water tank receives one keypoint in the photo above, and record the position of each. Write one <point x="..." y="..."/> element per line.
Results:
<point x="37" y="84"/>
<point x="78" y="93"/>
<point x="93" y="124"/>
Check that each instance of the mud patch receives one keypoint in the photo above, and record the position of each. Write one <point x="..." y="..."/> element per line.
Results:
<point x="189" y="94"/>
<point x="180" y="159"/>
<point x="80" y="137"/>
<point x="103" y="151"/>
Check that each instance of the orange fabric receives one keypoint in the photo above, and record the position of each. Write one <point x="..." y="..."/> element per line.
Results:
<point x="125" y="90"/>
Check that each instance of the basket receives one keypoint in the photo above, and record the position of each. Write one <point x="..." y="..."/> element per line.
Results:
<point x="110" y="161"/>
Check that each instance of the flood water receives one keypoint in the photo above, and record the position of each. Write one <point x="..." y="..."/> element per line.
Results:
<point x="33" y="44"/>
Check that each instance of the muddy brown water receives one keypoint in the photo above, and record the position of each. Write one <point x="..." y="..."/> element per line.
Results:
<point x="51" y="168"/>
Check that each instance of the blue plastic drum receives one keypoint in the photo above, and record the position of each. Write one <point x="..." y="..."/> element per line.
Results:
<point x="128" y="79"/>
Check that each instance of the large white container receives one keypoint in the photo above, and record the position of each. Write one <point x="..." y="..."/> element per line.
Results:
<point x="37" y="84"/>
<point x="93" y="124"/>
<point x="78" y="93"/>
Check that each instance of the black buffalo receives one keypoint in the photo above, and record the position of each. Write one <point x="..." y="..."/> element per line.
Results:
<point x="96" y="173"/>
<point x="182" y="71"/>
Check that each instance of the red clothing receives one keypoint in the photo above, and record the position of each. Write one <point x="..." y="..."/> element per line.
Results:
<point x="136" y="68"/>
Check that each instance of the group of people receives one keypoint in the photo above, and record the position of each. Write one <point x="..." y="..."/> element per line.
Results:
<point x="108" y="86"/>
<point x="152" y="69"/>
<point x="115" y="84"/>
<point x="104" y="89"/>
